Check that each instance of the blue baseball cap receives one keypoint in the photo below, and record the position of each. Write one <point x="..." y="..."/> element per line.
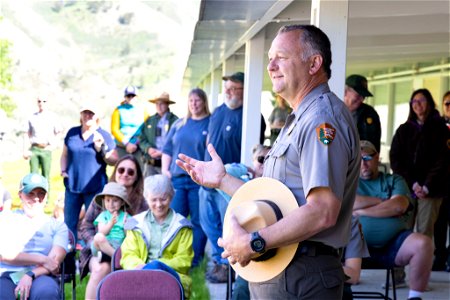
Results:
<point x="33" y="181"/>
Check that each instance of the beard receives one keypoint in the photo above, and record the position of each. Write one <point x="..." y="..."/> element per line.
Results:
<point x="232" y="103"/>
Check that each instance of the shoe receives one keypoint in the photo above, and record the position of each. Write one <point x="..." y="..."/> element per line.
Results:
<point x="219" y="274"/>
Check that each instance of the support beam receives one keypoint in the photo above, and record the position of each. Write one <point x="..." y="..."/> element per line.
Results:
<point x="332" y="18"/>
<point x="254" y="61"/>
<point x="216" y="79"/>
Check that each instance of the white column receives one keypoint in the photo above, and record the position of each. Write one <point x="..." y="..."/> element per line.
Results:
<point x="216" y="79"/>
<point x="332" y="18"/>
<point x="254" y="61"/>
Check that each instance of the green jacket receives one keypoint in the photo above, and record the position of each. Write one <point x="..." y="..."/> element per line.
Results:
<point x="176" y="250"/>
<point x="147" y="138"/>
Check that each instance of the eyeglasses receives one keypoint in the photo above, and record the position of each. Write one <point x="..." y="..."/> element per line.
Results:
<point x="35" y="194"/>
<point x="260" y="159"/>
<point x="233" y="89"/>
<point x="366" y="157"/>
<point x="130" y="172"/>
<point x="447" y="103"/>
<point x="417" y="101"/>
<point x="42" y="101"/>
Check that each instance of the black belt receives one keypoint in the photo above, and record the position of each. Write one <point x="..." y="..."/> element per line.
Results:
<point x="310" y="248"/>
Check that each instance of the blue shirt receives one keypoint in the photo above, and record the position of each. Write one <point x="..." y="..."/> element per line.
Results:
<point x="37" y="235"/>
<point x="189" y="139"/>
<point x="85" y="167"/>
<point x="225" y="134"/>
<point x="379" y="231"/>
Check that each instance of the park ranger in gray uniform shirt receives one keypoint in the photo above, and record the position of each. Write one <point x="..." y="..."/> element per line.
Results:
<point x="316" y="156"/>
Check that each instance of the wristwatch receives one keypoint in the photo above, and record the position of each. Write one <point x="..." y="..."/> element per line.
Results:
<point x="31" y="274"/>
<point x="257" y="243"/>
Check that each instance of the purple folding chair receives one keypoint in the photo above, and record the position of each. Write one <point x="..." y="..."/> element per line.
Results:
<point x="139" y="284"/>
<point x="115" y="260"/>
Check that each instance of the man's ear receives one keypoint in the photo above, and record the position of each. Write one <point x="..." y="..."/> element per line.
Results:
<point x="316" y="62"/>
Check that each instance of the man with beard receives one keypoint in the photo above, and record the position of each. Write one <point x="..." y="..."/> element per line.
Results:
<point x="225" y="134"/>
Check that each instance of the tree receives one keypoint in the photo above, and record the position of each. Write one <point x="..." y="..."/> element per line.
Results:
<point x="6" y="102"/>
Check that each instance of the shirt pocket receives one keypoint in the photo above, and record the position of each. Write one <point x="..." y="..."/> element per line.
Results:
<point x="277" y="162"/>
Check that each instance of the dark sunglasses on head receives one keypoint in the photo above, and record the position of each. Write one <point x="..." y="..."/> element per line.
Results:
<point x="366" y="157"/>
<point x="130" y="172"/>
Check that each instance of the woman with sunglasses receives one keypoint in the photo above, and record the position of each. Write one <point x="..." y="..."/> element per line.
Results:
<point x="188" y="135"/>
<point x="420" y="154"/>
<point x="128" y="173"/>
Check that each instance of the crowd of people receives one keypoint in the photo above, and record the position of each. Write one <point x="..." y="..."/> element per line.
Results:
<point x="173" y="179"/>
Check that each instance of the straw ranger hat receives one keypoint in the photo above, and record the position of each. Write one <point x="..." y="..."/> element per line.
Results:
<point x="112" y="189"/>
<point x="163" y="97"/>
<point x="257" y="204"/>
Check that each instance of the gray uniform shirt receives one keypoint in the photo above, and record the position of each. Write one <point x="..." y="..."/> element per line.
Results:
<point x="319" y="147"/>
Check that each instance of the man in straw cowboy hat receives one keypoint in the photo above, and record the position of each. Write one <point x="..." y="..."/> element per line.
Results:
<point x="153" y="134"/>
<point x="317" y="157"/>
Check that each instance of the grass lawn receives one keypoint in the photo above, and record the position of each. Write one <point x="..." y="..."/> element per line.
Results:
<point x="13" y="172"/>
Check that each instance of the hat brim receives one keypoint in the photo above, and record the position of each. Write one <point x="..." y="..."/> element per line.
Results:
<point x="363" y="92"/>
<point x="231" y="78"/>
<point x="264" y="188"/>
<point x="98" y="199"/>
<point x="161" y="99"/>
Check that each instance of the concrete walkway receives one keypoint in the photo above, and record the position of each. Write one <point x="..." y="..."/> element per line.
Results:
<point x="371" y="280"/>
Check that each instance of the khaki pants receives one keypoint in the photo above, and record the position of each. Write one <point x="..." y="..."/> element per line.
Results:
<point x="427" y="213"/>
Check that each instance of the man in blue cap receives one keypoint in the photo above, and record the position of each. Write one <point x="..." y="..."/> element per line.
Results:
<point x="32" y="247"/>
<point x="365" y="116"/>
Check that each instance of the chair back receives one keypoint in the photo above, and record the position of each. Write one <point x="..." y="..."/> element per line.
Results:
<point x="68" y="266"/>
<point x="115" y="260"/>
<point x="139" y="284"/>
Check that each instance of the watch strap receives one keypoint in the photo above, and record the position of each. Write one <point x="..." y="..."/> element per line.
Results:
<point x="31" y="274"/>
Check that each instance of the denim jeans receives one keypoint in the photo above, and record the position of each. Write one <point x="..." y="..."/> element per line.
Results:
<point x="212" y="212"/>
<point x="72" y="207"/>
<point x="186" y="202"/>
<point x="157" y="265"/>
<point x="43" y="287"/>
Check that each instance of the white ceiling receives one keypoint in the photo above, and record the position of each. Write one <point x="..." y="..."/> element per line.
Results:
<point x="382" y="35"/>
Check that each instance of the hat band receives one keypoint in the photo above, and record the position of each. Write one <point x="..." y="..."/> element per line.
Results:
<point x="271" y="252"/>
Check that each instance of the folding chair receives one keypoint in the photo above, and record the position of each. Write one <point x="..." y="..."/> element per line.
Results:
<point x="68" y="268"/>
<point x="139" y="284"/>
<point x="115" y="260"/>
<point x="368" y="263"/>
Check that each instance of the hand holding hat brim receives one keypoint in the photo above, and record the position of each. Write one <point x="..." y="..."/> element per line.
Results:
<point x="263" y="188"/>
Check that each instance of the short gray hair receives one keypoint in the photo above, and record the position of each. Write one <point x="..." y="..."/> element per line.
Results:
<point x="158" y="185"/>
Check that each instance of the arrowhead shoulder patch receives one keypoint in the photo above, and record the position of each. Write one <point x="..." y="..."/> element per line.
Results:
<point x="325" y="133"/>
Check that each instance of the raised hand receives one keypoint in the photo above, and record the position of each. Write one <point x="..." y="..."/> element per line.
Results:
<point x="206" y="173"/>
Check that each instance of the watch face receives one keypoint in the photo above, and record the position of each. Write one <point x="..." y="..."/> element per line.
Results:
<point x="257" y="243"/>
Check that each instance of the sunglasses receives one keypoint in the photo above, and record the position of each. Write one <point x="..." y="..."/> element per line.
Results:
<point x="42" y="101"/>
<point x="130" y="172"/>
<point x="447" y="103"/>
<point x="366" y="157"/>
